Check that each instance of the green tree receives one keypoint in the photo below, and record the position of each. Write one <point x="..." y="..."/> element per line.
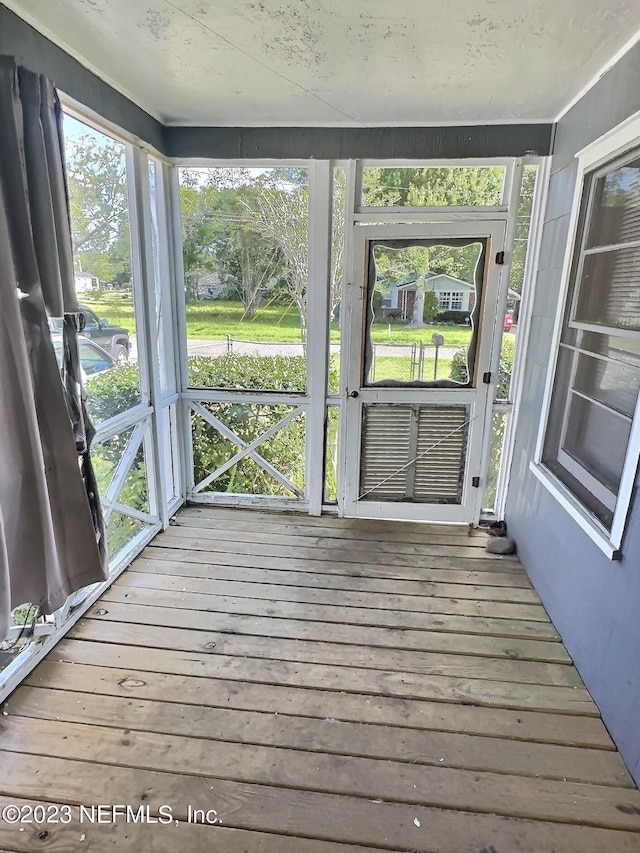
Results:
<point x="219" y="235"/>
<point x="429" y="187"/>
<point x="98" y="201"/>
<point x="283" y="215"/>
<point x="523" y="223"/>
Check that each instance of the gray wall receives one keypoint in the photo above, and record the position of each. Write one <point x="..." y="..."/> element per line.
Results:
<point x="594" y="603"/>
<point x="344" y="143"/>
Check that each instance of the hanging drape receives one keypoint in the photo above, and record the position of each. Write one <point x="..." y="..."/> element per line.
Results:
<point x="51" y="532"/>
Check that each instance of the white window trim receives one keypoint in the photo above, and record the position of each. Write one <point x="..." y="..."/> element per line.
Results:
<point x="606" y="148"/>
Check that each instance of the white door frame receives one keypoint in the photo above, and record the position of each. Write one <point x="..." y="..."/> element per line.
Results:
<point x="479" y="398"/>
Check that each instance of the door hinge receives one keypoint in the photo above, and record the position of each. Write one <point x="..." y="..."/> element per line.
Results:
<point x="475" y="482"/>
<point x="486" y="377"/>
<point x="500" y="258"/>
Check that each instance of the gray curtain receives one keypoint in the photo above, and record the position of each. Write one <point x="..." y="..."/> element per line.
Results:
<point x="51" y="539"/>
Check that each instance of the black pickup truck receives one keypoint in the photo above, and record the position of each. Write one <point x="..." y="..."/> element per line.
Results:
<point x="114" y="339"/>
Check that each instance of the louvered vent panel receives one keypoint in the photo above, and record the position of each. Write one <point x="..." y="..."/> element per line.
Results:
<point x="413" y="453"/>
<point x="442" y="438"/>
<point x="386" y="440"/>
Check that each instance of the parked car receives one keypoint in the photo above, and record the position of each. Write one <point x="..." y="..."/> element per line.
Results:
<point x="93" y="358"/>
<point x="114" y="339"/>
<point x="508" y="321"/>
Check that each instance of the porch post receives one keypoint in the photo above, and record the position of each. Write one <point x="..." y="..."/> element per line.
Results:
<point x="320" y="210"/>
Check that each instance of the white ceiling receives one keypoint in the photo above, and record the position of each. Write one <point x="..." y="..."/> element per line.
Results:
<point x="341" y="62"/>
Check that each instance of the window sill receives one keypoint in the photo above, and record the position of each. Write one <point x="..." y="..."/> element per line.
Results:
<point x="586" y="522"/>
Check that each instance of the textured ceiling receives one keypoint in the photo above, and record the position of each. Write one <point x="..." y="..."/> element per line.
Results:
<point x="340" y="62"/>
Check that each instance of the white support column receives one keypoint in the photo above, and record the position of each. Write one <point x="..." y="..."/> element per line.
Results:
<point x="353" y="182"/>
<point x="534" y="243"/>
<point x="187" y="482"/>
<point x="513" y="184"/>
<point x="320" y="209"/>
<point x="144" y="296"/>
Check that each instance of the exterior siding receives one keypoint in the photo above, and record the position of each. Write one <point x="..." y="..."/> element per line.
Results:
<point x="593" y="602"/>
<point x="343" y="143"/>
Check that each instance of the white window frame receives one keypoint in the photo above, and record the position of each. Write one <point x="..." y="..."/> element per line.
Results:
<point x="606" y="149"/>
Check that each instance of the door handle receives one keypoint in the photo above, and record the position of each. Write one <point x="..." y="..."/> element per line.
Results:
<point x="354" y="394"/>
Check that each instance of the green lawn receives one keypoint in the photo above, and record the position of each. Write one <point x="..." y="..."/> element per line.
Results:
<point x="398" y="368"/>
<point x="215" y="319"/>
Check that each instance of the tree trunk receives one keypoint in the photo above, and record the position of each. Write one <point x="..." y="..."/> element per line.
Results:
<point x="417" y="317"/>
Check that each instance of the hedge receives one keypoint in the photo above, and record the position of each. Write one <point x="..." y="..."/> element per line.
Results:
<point x="117" y="390"/>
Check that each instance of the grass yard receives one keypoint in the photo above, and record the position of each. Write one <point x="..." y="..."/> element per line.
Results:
<point x="398" y="368"/>
<point x="214" y="320"/>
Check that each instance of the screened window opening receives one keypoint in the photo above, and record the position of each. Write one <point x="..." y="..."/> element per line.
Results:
<point x="430" y="186"/>
<point x="246" y="259"/>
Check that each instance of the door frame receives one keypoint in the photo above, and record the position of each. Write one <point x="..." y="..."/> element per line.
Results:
<point x="479" y="397"/>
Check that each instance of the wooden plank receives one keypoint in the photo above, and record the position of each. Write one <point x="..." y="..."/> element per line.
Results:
<point x="339" y="654"/>
<point x="347" y="526"/>
<point x="172" y="616"/>
<point x="321" y="816"/>
<point x="354" y="533"/>
<point x="332" y="579"/>
<point x="285" y="562"/>
<point x="321" y="704"/>
<point x="569" y="700"/>
<point x="266" y="585"/>
<point x="351" y="636"/>
<point x="328" y="736"/>
<point x="424" y="785"/>
<point x="322" y="546"/>
<point x="330" y="606"/>
<point x="95" y="838"/>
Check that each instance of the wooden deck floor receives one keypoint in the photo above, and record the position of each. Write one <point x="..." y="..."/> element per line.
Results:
<point x="322" y="685"/>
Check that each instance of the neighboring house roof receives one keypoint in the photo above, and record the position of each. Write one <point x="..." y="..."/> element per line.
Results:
<point x="439" y="280"/>
<point x="209" y="279"/>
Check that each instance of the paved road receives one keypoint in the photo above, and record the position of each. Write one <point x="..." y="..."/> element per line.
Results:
<point x="216" y="348"/>
<point x="210" y="347"/>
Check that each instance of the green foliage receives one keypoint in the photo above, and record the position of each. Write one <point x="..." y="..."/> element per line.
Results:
<point x="458" y="318"/>
<point x="505" y="370"/>
<point x="273" y="373"/>
<point x="523" y="222"/>
<point x="285" y="450"/>
<point x="495" y="458"/>
<point x="109" y="394"/>
<point x="431" y="306"/>
<point x="113" y="392"/>
<point x="459" y="367"/>
<point x="116" y="390"/>
<point x="98" y="204"/>
<point x="382" y="186"/>
<point x="459" y="371"/>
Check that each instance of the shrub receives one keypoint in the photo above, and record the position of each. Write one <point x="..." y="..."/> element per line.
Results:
<point x="431" y="306"/>
<point x="117" y="390"/>
<point x="459" y="367"/>
<point x="113" y="392"/>
<point x="285" y="450"/>
<point x="392" y="315"/>
<point x="458" y="318"/>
